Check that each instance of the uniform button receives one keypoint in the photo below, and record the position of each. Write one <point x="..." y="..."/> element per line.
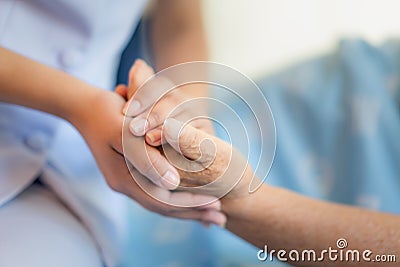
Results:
<point x="71" y="58"/>
<point x="37" y="141"/>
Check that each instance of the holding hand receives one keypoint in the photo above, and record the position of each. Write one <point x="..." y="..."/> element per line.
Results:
<point x="209" y="165"/>
<point x="203" y="162"/>
<point x="97" y="116"/>
<point x="150" y="108"/>
<point x="101" y="127"/>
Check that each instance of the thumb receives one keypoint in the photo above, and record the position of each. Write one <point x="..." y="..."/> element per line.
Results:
<point x="192" y="143"/>
<point x="138" y="74"/>
<point x="122" y="90"/>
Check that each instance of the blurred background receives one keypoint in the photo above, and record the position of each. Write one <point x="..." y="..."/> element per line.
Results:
<point x="262" y="36"/>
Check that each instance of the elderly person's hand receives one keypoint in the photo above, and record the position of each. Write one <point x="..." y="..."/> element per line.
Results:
<point x="145" y="161"/>
<point x="149" y="109"/>
<point x="206" y="160"/>
<point x="101" y="127"/>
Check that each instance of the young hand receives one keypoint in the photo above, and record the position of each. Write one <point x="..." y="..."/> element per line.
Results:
<point x="150" y="110"/>
<point x="101" y="126"/>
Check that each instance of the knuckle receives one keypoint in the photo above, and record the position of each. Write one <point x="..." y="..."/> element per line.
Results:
<point x="188" y="141"/>
<point x="155" y="161"/>
<point x="152" y="165"/>
<point x="147" y="166"/>
<point x="155" y="118"/>
<point x="218" y="167"/>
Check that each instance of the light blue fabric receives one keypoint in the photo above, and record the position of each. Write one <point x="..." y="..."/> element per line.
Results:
<point x="338" y="128"/>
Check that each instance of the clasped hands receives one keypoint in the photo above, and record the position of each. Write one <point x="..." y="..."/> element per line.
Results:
<point x="207" y="170"/>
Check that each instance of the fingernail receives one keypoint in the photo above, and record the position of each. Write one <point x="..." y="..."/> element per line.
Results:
<point x="152" y="137"/>
<point x="170" y="180"/>
<point x="172" y="129"/>
<point x="138" y="126"/>
<point x="132" y="108"/>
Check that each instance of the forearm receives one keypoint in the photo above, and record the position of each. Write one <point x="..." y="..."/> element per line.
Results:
<point x="177" y="35"/>
<point x="188" y="45"/>
<point x="34" y="85"/>
<point x="284" y="220"/>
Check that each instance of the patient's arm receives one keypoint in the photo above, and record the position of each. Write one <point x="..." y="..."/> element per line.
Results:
<point x="282" y="219"/>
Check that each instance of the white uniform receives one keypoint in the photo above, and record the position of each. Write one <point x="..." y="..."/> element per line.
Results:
<point x="84" y="38"/>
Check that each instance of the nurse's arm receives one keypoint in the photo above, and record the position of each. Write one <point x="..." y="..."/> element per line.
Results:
<point x="30" y="84"/>
<point x="34" y="85"/>
<point x="176" y="31"/>
<point x="97" y="115"/>
<point x="280" y="219"/>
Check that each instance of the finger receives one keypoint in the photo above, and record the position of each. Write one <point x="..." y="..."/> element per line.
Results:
<point x="139" y="125"/>
<point x="126" y="185"/>
<point x="121" y="89"/>
<point x="215" y="217"/>
<point x="187" y="199"/>
<point x="189" y="141"/>
<point x="206" y="216"/>
<point x="170" y="203"/>
<point x="160" y="171"/>
<point x="153" y="137"/>
<point x="205" y="224"/>
<point x="149" y="162"/>
<point x="203" y="124"/>
<point x="187" y="169"/>
<point x="148" y="94"/>
<point x="215" y="205"/>
<point x="138" y="75"/>
<point x="154" y="118"/>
